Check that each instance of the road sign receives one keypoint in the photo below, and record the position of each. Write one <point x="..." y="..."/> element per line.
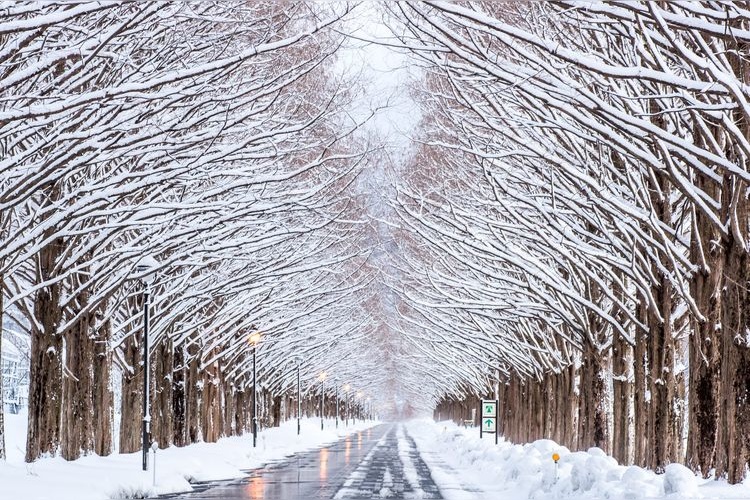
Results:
<point x="488" y="421"/>
<point x="489" y="425"/>
<point x="489" y="409"/>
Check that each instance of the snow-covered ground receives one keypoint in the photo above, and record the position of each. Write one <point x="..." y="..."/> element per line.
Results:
<point x="468" y="468"/>
<point x="120" y="476"/>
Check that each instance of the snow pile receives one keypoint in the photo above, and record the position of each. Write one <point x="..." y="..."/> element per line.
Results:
<point x="462" y="462"/>
<point x="120" y="476"/>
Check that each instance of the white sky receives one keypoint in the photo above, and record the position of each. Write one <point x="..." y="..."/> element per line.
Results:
<point x="385" y="74"/>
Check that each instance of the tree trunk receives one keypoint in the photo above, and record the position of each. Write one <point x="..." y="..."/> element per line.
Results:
<point x="211" y="404"/>
<point x="593" y="412"/>
<point x="131" y="406"/>
<point x="162" y="426"/>
<point x="78" y="387"/>
<point x="229" y="409"/>
<point x="103" y="397"/>
<point x="45" y="384"/>
<point x="240" y="394"/>
<point x="640" y="391"/>
<point x="734" y="438"/>
<point x="571" y="403"/>
<point x="2" y="405"/>
<point x="622" y="394"/>
<point x="662" y="409"/>
<point x="193" y="395"/>
<point x="276" y="411"/>
<point x="704" y="354"/>
<point x="735" y="362"/>
<point x="179" y="418"/>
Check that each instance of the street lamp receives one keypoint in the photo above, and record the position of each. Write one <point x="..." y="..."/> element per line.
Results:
<point x="337" y="404"/>
<point x="144" y="267"/>
<point x="298" y="361"/>
<point x="359" y="404"/>
<point x="322" y="378"/>
<point x="253" y="341"/>
<point x="346" y="403"/>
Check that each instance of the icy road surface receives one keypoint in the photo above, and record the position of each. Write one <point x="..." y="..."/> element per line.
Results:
<point x="381" y="462"/>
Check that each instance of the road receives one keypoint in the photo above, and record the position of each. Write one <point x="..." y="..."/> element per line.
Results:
<point x="381" y="462"/>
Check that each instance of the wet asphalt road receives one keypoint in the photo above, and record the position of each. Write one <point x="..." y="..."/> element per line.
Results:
<point x="381" y="462"/>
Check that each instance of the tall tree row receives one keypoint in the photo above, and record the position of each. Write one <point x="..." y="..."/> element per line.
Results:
<point x="596" y="214"/>
<point x="208" y="138"/>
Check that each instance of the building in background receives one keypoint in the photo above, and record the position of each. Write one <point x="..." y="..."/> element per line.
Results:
<point x="15" y="371"/>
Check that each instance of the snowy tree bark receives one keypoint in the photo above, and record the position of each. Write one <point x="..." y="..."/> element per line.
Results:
<point x="131" y="406"/>
<point x="163" y="414"/>
<point x="179" y="397"/>
<point x="103" y="413"/>
<point x="211" y="424"/>
<point x="45" y="388"/>
<point x="78" y="425"/>
<point x="735" y="317"/>
<point x="622" y="386"/>
<point x="661" y="353"/>
<point x="593" y="413"/>
<point x="193" y="394"/>
<point x="2" y="404"/>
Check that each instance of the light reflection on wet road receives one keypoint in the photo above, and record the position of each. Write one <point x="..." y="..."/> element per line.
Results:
<point x="311" y="475"/>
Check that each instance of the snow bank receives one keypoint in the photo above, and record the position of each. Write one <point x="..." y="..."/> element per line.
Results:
<point x="120" y="476"/>
<point x="461" y="462"/>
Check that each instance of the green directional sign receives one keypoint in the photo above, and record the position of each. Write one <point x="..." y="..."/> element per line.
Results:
<point x="488" y="421"/>
<point x="489" y="409"/>
<point x="488" y="425"/>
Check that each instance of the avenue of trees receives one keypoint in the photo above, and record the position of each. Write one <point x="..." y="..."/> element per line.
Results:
<point x="580" y="193"/>
<point x="210" y="139"/>
<point x="570" y="231"/>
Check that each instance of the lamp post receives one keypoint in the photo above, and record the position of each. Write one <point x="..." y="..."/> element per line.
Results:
<point x="322" y="378"/>
<point x="346" y="403"/>
<point x="144" y="266"/>
<point x="337" y="404"/>
<point x="298" y="361"/>
<point x="253" y="340"/>
<point x="359" y="404"/>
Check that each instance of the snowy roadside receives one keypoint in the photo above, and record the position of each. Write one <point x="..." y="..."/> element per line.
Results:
<point x="119" y="476"/>
<point x="468" y="468"/>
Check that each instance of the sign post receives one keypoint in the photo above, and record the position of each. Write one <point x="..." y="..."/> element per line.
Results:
<point x="488" y="420"/>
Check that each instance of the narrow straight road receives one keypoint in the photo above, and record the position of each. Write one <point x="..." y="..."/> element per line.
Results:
<point x="381" y="462"/>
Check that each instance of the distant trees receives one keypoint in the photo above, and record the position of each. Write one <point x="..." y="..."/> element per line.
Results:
<point x="595" y="160"/>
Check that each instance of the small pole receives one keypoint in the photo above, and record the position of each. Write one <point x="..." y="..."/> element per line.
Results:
<point x="299" y="401"/>
<point x="146" y="410"/>
<point x="322" y="402"/>
<point x="556" y="458"/>
<point x="154" y="446"/>
<point x="337" y="405"/>
<point x="255" y="400"/>
<point x="497" y="418"/>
